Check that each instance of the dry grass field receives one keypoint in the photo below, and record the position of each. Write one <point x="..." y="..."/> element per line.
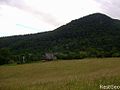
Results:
<point x="86" y="74"/>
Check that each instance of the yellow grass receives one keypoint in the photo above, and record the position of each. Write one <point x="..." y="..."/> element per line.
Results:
<point x="86" y="74"/>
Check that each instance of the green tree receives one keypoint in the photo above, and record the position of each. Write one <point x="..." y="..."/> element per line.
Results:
<point x="5" y="56"/>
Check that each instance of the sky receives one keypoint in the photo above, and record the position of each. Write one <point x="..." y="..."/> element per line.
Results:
<point x="33" y="16"/>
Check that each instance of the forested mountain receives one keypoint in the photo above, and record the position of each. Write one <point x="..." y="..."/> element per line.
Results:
<point x="95" y="35"/>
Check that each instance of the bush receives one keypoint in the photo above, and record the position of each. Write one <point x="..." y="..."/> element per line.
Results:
<point x="83" y="54"/>
<point x="5" y="56"/>
<point x="72" y="55"/>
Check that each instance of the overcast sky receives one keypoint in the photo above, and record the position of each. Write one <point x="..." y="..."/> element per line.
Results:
<point x="32" y="16"/>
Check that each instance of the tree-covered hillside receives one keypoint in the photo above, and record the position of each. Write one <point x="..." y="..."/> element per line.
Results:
<point x="95" y="35"/>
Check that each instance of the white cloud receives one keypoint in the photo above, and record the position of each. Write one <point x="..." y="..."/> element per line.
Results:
<point x="64" y="10"/>
<point x="110" y="7"/>
<point x="10" y="16"/>
<point x="41" y="15"/>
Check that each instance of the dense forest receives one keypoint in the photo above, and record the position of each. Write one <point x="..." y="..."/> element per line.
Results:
<point x="95" y="35"/>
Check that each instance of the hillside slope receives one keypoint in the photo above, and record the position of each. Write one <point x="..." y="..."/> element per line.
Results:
<point x="93" y="33"/>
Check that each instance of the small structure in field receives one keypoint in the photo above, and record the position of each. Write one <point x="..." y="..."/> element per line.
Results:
<point x="49" y="56"/>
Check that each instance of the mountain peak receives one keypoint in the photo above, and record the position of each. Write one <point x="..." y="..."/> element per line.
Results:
<point x="99" y="15"/>
<point x="92" y="19"/>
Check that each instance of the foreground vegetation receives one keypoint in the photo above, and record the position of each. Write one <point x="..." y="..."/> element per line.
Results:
<point x="85" y="74"/>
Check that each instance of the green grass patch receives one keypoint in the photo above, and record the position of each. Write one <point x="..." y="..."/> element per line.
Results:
<point x="86" y="74"/>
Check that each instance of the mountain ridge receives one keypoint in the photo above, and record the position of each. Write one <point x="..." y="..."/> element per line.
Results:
<point x="96" y="34"/>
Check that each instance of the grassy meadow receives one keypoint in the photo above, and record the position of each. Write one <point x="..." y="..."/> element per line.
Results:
<point x="86" y="74"/>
